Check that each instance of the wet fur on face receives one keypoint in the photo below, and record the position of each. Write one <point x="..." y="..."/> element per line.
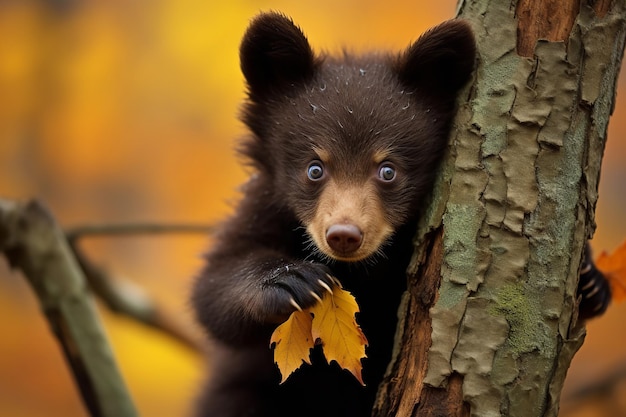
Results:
<point x="352" y="114"/>
<point x="344" y="150"/>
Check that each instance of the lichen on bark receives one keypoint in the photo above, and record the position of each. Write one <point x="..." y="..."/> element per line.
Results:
<point x="515" y="207"/>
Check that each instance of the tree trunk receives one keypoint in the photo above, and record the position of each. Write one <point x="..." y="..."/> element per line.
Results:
<point x="490" y="319"/>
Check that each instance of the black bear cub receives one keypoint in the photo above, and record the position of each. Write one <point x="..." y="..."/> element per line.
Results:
<point x="344" y="151"/>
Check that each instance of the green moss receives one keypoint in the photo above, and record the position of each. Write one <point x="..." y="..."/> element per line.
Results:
<point x="450" y="295"/>
<point x="522" y="309"/>
<point x="462" y="223"/>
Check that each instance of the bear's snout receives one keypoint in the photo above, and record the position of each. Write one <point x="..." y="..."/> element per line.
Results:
<point x="349" y="222"/>
<point x="344" y="238"/>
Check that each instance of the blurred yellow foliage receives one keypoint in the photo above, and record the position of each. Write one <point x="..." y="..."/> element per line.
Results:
<point x="118" y="111"/>
<point x="114" y="111"/>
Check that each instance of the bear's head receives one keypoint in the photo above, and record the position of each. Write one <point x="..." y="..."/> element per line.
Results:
<point x="350" y="144"/>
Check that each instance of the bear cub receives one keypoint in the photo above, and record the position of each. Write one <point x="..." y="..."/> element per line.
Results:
<point x="344" y="151"/>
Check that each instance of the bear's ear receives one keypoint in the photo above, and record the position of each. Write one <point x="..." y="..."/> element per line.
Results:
<point x="274" y="54"/>
<point x="440" y="61"/>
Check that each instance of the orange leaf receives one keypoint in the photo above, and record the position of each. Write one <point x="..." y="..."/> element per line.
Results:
<point x="293" y="341"/>
<point x="613" y="266"/>
<point x="335" y="325"/>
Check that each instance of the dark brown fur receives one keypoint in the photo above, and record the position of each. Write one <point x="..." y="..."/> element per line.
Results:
<point x="352" y="116"/>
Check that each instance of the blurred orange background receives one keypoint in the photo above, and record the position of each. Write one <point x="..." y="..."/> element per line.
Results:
<point x="125" y="111"/>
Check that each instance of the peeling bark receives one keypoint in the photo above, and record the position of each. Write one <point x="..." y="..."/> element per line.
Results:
<point x="549" y="20"/>
<point x="511" y="213"/>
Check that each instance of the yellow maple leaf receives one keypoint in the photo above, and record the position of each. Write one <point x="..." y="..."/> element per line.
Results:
<point x="332" y="321"/>
<point x="335" y="325"/>
<point x="293" y="343"/>
<point x="613" y="266"/>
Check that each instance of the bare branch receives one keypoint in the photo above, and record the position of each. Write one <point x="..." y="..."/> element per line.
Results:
<point x="32" y="242"/>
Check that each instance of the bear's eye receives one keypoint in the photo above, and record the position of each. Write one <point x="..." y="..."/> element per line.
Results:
<point x="386" y="172"/>
<point x="315" y="171"/>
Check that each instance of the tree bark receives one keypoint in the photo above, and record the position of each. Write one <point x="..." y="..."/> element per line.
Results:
<point x="503" y="237"/>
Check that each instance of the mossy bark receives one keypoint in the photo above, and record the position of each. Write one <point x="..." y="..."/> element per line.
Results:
<point x="503" y="236"/>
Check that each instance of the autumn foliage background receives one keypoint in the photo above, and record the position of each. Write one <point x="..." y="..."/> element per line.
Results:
<point x="125" y="111"/>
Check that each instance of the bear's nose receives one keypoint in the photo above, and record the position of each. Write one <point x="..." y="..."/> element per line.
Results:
<point x="344" y="238"/>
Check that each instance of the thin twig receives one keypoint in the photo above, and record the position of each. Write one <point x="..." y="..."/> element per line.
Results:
<point x="127" y="299"/>
<point x="600" y="388"/>
<point x="115" y="293"/>
<point x="77" y="232"/>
